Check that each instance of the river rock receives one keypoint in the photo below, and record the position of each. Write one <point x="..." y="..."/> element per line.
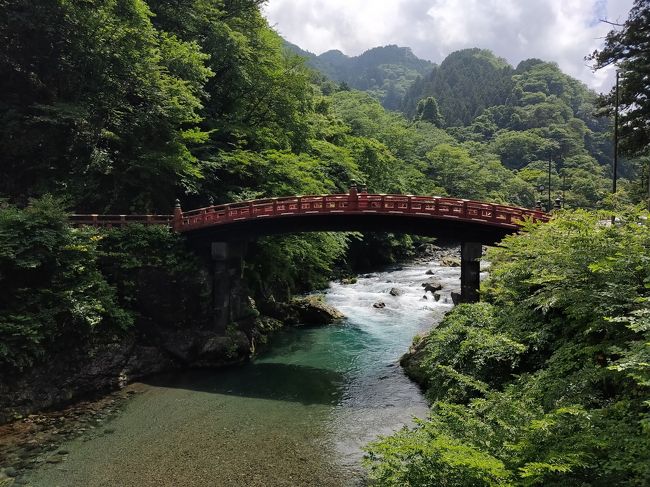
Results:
<point x="449" y="261"/>
<point x="395" y="292"/>
<point x="429" y="272"/>
<point x="225" y="349"/>
<point x="412" y="361"/>
<point x="455" y="297"/>
<point x="436" y="296"/>
<point x="432" y="286"/>
<point x="379" y="305"/>
<point x="313" y="310"/>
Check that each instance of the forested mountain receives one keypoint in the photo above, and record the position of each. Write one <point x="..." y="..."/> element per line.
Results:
<point x="466" y="83"/>
<point x="385" y="72"/>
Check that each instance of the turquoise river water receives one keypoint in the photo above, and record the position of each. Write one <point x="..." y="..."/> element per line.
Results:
<point x="298" y="415"/>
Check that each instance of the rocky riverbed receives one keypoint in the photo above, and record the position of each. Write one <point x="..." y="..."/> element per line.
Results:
<point x="37" y="439"/>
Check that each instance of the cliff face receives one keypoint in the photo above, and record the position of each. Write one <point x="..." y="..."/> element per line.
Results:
<point x="102" y="366"/>
<point x="168" y="336"/>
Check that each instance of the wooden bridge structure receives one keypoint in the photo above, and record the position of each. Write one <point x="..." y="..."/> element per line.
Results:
<point x="423" y="215"/>
<point x="223" y="230"/>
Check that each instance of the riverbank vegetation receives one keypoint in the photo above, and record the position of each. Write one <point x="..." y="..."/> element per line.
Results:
<point x="546" y="381"/>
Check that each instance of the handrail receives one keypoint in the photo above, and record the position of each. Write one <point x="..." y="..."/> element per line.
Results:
<point x="97" y="220"/>
<point x="440" y="207"/>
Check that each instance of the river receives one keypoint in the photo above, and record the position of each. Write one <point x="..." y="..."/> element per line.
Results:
<point x="296" y="416"/>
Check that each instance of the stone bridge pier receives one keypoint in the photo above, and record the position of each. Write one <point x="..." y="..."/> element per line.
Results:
<point x="470" y="271"/>
<point x="228" y="294"/>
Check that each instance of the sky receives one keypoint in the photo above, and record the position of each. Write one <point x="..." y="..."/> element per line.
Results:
<point x="564" y="31"/>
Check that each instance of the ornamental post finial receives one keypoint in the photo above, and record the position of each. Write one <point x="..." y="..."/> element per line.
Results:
<point x="177" y="220"/>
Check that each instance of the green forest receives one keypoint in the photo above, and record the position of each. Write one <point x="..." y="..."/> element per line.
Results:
<point x="123" y="106"/>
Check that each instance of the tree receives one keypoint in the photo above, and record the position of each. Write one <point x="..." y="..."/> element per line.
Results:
<point x="428" y="111"/>
<point x="627" y="49"/>
<point x="96" y="104"/>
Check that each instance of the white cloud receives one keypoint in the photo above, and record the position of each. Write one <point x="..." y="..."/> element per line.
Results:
<point x="564" y="31"/>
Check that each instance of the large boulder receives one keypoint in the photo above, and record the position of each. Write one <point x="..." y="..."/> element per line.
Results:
<point x="217" y="350"/>
<point x="412" y="361"/>
<point x="313" y="310"/>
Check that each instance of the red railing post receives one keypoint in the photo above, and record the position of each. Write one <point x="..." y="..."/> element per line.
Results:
<point x="177" y="221"/>
<point x="353" y="196"/>
<point x="363" y="197"/>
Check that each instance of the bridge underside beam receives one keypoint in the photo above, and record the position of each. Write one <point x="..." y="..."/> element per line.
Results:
<point x="449" y="229"/>
<point x="470" y="271"/>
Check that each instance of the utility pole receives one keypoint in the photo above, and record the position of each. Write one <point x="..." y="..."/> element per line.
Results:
<point x="549" y="184"/>
<point x="615" y="138"/>
<point x="649" y="184"/>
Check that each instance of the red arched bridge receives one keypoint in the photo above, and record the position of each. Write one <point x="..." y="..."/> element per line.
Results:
<point x="223" y="229"/>
<point x="459" y="219"/>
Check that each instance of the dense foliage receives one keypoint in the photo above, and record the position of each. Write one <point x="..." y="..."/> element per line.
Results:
<point x="96" y="104"/>
<point x="62" y="287"/>
<point x="525" y="117"/>
<point x="547" y="382"/>
<point x="466" y="83"/>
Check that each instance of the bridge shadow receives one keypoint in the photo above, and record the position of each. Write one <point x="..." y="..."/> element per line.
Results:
<point x="263" y="380"/>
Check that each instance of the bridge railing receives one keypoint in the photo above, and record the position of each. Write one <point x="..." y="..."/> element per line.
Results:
<point x="119" y="220"/>
<point x="442" y="207"/>
<point x="433" y="206"/>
